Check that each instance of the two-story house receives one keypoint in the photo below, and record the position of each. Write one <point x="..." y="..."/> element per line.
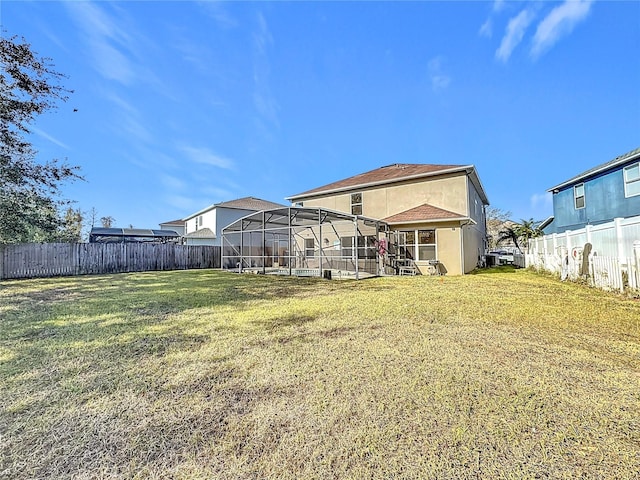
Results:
<point x="438" y="210"/>
<point x="602" y="193"/>
<point x="204" y="227"/>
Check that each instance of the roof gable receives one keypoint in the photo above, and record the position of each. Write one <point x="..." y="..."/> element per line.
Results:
<point x="610" y="165"/>
<point x="245" y="203"/>
<point x="423" y="213"/>
<point x="201" y="233"/>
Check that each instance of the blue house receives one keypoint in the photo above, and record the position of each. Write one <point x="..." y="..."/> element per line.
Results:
<point x="608" y="191"/>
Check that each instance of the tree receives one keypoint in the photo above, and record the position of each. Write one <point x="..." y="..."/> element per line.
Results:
<point x="29" y="189"/>
<point x="520" y="233"/>
<point x="71" y="228"/>
<point x="509" y="234"/>
<point x="496" y="221"/>
<point x="107" y="222"/>
<point x="93" y="217"/>
<point x="529" y="229"/>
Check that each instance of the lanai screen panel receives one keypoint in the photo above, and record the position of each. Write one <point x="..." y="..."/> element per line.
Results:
<point x="303" y="241"/>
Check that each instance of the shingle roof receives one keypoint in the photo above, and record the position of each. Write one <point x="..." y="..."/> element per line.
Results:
<point x="178" y="222"/>
<point x="245" y="203"/>
<point x="619" y="160"/>
<point x="250" y="203"/>
<point x="395" y="172"/>
<point x="423" y="213"/>
<point x="202" y="233"/>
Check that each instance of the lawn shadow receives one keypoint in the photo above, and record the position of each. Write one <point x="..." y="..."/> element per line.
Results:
<point x="494" y="270"/>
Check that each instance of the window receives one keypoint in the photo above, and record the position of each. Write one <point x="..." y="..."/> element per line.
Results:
<point x="309" y="247"/>
<point x="356" y="204"/>
<point x="578" y="195"/>
<point x="632" y="180"/>
<point x="422" y="242"/>
<point x="426" y="244"/>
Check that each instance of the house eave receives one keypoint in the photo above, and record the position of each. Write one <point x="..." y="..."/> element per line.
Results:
<point x="434" y="220"/>
<point x="626" y="158"/>
<point x="465" y="168"/>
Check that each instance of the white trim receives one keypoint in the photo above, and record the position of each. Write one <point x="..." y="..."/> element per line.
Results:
<point x="576" y="197"/>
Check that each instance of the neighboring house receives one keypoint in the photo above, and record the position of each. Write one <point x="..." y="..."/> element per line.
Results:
<point x="438" y="211"/>
<point x="175" y="225"/>
<point x="205" y="226"/>
<point x="608" y="191"/>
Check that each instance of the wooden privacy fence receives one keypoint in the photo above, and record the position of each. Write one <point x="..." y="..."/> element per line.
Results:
<point x="53" y="259"/>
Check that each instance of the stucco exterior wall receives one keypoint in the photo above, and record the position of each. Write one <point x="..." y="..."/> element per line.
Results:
<point x="453" y="192"/>
<point x="448" y="245"/>
<point x="448" y="192"/>
<point x="474" y="245"/>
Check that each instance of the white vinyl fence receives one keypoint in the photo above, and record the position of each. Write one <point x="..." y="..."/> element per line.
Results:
<point x="612" y="239"/>
<point x="612" y="264"/>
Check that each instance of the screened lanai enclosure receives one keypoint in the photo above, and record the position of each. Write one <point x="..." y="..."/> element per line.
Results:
<point x="305" y="241"/>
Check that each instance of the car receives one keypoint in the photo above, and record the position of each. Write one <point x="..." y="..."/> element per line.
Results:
<point x="502" y="257"/>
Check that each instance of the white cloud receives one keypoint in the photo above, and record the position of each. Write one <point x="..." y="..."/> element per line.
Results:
<point x="544" y="200"/>
<point x="558" y="23"/>
<point x="216" y="193"/>
<point x="46" y="136"/>
<point x="513" y="36"/>
<point x="206" y="157"/>
<point x="264" y="101"/>
<point x="217" y="12"/>
<point x="439" y="79"/>
<point x="498" y="5"/>
<point x="172" y="182"/>
<point x="107" y="41"/>
<point x="183" y="203"/>
<point x="486" y="30"/>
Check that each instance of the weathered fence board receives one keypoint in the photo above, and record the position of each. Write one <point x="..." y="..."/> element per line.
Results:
<point x="55" y="259"/>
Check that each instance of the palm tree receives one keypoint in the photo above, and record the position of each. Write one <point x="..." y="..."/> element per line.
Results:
<point x="529" y="229"/>
<point x="520" y="232"/>
<point x="509" y="233"/>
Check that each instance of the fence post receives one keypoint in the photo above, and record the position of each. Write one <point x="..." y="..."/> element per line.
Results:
<point x="617" y="223"/>
<point x="2" y="249"/>
<point x="636" y="254"/>
<point x="567" y="236"/>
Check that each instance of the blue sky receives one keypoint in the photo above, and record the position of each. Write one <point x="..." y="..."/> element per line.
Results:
<point x="185" y="104"/>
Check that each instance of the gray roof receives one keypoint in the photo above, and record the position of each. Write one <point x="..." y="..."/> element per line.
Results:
<point x="245" y="203"/>
<point x="201" y="233"/>
<point x="178" y="222"/>
<point x="616" y="162"/>
<point x="250" y="203"/>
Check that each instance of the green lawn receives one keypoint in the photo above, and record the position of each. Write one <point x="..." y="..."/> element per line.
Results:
<point x="205" y="374"/>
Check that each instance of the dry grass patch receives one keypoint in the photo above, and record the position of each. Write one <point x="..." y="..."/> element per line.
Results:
<point x="205" y="374"/>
